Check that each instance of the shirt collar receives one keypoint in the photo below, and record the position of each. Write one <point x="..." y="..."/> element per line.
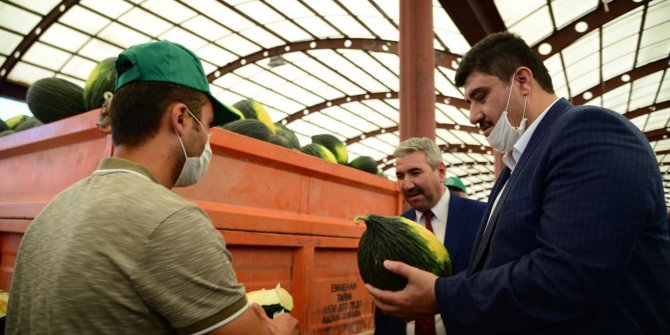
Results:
<point x="440" y="208"/>
<point x="114" y="163"/>
<point x="511" y="158"/>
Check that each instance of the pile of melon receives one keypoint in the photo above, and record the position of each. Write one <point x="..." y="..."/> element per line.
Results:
<point x="53" y="99"/>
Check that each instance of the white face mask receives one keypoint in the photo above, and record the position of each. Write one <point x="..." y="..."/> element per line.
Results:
<point x="194" y="167"/>
<point x="503" y="136"/>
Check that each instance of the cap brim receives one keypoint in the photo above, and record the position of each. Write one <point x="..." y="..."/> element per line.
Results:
<point x="223" y="113"/>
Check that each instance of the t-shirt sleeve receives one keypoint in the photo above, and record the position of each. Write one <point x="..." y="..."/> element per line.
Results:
<point x="185" y="274"/>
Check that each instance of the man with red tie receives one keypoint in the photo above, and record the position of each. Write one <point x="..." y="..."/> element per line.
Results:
<point x="454" y="220"/>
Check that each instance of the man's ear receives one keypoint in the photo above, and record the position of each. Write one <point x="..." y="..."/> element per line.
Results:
<point x="442" y="170"/>
<point x="524" y="76"/>
<point x="176" y="115"/>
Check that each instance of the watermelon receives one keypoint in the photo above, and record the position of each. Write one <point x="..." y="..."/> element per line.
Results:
<point x="27" y="123"/>
<point x="282" y="130"/>
<point x="252" y="109"/>
<point x="249" y="127"/>
<point x="399" y="239"/>
<point x="280" y="141"/>
<point x="337" y="147"/>
<point x="13" y="121"/>
<point x="364" y="163"/>
<point x="6" y="132"/>
<point x="3" y="126"/>
<point x="274" y="301"/>
<point x="318" y="150"/>
<point x="102" y="79"/>
<point x="52" y="99"/>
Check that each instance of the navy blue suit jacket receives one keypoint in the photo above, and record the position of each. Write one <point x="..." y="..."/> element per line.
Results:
<point x="464" y="216"/>
<point x="578" y="242"/>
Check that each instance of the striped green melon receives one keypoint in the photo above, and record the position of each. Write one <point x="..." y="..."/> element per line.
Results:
<point x="398" y="239"/>
<point x="318" y="150"/>
<point x="284" y="131"/>
<point x="102" y="79"/>
<point x="364" y="163"/>
<point x="252" y="109"/>
<point x="249" y="127"/>
<point x="52" y="99"/>
<point x="337" y="147"/>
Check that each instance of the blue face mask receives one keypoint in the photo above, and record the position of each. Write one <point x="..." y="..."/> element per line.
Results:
<point x="194" y="167"/>
<point x="504" y="135"/>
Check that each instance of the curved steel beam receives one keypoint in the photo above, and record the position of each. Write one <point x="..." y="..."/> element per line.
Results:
<point x="657" y="134"/>
<point x="456" y="102"/>
<point x="442" y="58"/>
<point x="389" y="164"/>
<point x="647" y="109"/>
<point x="615" y="82"/>
<point x="29" y="39"/>
<point x="463" y="148"/>
<point x="448" y="126"/>
<point x="474" y="19"/>
<point x="596" y="19"/>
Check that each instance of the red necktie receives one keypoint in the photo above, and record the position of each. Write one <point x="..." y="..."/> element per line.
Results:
<point x="426" y="325"/>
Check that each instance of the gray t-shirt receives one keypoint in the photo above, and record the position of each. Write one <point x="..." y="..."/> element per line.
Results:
<point x="118" y="253"/>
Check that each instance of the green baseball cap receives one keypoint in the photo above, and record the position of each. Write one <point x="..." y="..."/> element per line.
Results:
<point x="455" y="183"/>
<point x="169" y="62"/>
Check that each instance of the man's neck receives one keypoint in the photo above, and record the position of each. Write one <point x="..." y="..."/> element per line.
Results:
<point x="537" y="104"/>
<point x="156" y="158"/>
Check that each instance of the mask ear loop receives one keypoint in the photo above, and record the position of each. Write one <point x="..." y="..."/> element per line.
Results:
<point x="511" y="87"/>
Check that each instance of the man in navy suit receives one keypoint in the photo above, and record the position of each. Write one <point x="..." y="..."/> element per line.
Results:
<point x="454" y="220"/>
<point x="574" y="239"/>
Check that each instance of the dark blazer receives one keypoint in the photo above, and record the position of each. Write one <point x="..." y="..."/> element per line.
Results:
<point x="463" y="219"/>
<point x="578" y="242"/>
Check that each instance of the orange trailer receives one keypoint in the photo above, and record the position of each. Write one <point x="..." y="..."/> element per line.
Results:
<point x="287" y="217"/>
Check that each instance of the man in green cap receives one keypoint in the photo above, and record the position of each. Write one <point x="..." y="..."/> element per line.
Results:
<point x="454" y="184"/>
<point x="118" y="252"/>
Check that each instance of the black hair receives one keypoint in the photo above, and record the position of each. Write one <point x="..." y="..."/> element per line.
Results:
<point x="499" y="55"/>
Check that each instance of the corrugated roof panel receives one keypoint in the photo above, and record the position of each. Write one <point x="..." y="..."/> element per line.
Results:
<point x="289" y="31"/>
<point x="54" y="61"/>
<point x="326" y="7"/>
<point x="122" y="36"/>
<point x="617" y="99"/>
<point x="78" y="67"/>
<point x="171" y="10"/>
<point x="238" y="45"/>
<point x="146" y="22"/>
<point x="8" y="42"/>
<point x="206" y="28"/>
<point x="28" y="74"/>
<point x="85" y="20"/>
<point x="658" y="120"/>
<point x="17" y="19"/>
<point x="318" y="27"/>
<point x="381" y="27"/>
<point x="111" y="8"/>
<point x="568" y="11"/>
<point x="644" y="91"/>
<point x="349" y="26"/>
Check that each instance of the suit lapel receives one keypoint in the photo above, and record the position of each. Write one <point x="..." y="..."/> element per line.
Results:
<point x="542" y="129"/>
<point x="481" y="242"/>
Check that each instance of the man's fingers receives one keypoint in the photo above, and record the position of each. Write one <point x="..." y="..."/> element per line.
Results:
<point x="398" y="268"/>
<point x="260" y="312"/>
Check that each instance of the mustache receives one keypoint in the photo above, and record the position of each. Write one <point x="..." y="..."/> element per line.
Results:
<point x="412" y="191"/>
<point x="483" y="124"/>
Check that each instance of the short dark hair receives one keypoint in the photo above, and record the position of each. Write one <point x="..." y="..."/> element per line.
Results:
<point x="137" y="109"/>
<point x="499" y="55"/>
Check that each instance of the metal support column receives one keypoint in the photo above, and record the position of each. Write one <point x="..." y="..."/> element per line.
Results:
<point x="417" y="69"/>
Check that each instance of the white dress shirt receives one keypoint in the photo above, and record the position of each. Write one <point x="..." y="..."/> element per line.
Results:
<point x="439" y="222"/>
